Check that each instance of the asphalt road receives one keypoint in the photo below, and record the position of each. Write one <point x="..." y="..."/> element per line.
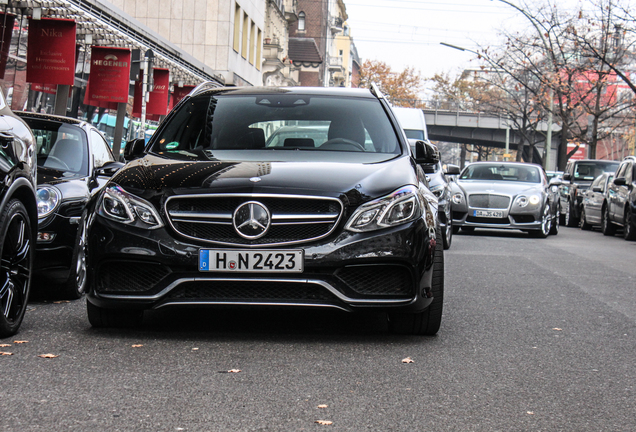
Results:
<point x="537" y="335"/>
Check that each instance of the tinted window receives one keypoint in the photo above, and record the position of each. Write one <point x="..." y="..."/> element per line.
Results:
<point x="101" y="151"/>
<point x="591" y="170"/>
<point x="414" y="134"/>
<point x="502" y="172"/>
<point x="211" y="122"/>
<point x="60" y="146"/>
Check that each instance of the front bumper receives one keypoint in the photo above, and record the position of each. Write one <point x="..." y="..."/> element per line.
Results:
<point x="389" y="269"/>
<point x="519" y="219"/>
<point x="54" y="256"/>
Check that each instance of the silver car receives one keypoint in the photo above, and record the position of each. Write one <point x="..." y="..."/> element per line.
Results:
<point x="505" y="195"/>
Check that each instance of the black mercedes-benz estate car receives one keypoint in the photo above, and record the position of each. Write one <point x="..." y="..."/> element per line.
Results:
<point x="18" y="218"/>
<point x="209" y="214"/>
<point x="74" y="162"/>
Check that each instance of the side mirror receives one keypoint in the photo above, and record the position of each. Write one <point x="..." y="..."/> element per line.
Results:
<point x="555" y="181"/>
<point x="620" y="181"/>
<point x="134" y="149"/>
<point x="426" y="153"/>
<point x="109" y="169"/>
<point x="567" y="176"/>
<point x="451" y="169"/>
<point x="597" y="189"/>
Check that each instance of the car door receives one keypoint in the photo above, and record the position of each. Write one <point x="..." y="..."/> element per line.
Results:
<point x="593" y="200"/>
<point x="612" y="193"/>
<point x="101" y="155"/>
<point x="622" y="195"/>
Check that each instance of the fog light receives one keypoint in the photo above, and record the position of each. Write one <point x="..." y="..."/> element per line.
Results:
<point x="45" y="237"/>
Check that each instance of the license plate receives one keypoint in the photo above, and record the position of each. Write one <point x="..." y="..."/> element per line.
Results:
<point x="488" y="213"/>
<point x="254" y="261"/>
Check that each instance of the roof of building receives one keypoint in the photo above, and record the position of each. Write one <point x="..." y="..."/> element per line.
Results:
<point x="304" y="50"/>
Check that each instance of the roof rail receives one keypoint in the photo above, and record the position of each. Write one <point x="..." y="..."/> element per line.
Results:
<point x="207" y="85"/>
<point x="376" y="91"/>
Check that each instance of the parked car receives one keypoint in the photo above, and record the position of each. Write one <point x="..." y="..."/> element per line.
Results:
<point x="506" y="195"/>
<point x="621" y="201"/>
<point x="413" y="124"/>
<point x="74" y="162"/>
<point x="595" y="201"/>
<point x="577" y="177"/>
<point x="18" y="218"/>
<point x="208" y="215"/>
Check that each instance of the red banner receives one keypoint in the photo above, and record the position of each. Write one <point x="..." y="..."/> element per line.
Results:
<point x="6" y="30"/>
<point x="51" y="51"/>
<point x="158" y="99"/>
<point x="45" y="88"/>
<point x="109" y="76"/>
<point x="180" y="93"/>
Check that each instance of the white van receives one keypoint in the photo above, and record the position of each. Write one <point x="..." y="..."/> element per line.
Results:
<point x="413" y="122"/>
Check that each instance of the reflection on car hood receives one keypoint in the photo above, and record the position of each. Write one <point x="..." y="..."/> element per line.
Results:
<point x="72" y="185"/>
<point x="153" y="174"/>
<point x="498" y="187"/>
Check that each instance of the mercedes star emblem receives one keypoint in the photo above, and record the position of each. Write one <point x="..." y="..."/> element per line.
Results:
<point x="251" y="220"/>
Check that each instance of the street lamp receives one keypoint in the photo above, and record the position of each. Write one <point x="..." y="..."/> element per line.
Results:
<point x="548" y="137"/>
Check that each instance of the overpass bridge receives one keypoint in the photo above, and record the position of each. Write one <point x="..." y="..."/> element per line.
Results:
<point x="484" y="129"/>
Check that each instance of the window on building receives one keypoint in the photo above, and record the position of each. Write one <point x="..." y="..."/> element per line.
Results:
<point x="301" y="21"/>
<point x="237" y="28"/>
<point x="252" y="41"/>
<point x="259" y="44"/>
<point x="340" y="52"/>
<point x="244" y="38"/>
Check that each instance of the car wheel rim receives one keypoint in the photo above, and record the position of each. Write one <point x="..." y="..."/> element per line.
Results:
<point x="15" y="268"/>
<point x="567" y="214"/>
<point x="546" y="223"/>
<point x="628" y="223"/>
<point x="80" y="269"/>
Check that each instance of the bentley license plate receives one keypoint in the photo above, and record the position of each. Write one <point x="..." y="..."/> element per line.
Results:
<point x="254" y="261"/>
<point x="488" y="213"/>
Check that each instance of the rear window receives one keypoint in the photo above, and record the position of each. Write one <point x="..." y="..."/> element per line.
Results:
<point x="590" y="170"/>
<point x="279" y="122"/>
<point x="60" y="146"/>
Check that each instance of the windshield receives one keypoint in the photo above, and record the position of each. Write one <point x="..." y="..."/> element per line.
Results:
<point x="214" y="123"/>
<point x="591" y="170"/>
<point x="502" y="172"/>
<point x="61" y="147"/>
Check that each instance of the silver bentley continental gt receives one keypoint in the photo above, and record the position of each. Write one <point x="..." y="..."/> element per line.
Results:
<point x="505" y="195"/>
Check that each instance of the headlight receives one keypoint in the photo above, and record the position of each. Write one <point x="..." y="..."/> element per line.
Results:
<point x="397" y="208"/>
<point x="523" y="201"/>
<point x="48" y="198"/>
<point x="437" y="190"/>
<point x="118" y="205"/>
<point x="457" y="198"/>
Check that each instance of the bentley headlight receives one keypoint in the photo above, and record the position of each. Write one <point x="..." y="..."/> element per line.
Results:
<point x="457" y="198"/>
<point x="523" y="200"/>
<point x="535" y="199"/>
<point x="397" y="208"/>
<point x="48" y="198"/>
<point x="118" y="205"/>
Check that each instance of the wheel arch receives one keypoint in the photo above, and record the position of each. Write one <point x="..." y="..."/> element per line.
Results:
<point x="23" y="190"/>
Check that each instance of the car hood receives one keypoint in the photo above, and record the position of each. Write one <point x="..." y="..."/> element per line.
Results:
<point x="360" y="182"/>
<point x="71" y="186"/>
<point x="498" y="187"/>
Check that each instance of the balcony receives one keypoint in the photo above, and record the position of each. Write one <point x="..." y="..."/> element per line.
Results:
<point x="336" y="24"/>
<point x="335" y="63"/>
<point x="291" y="8"/>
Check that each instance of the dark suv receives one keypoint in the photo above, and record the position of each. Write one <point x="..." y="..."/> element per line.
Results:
<point x="18" y="218"/>
<point x="577" y="177"/>
<point x="621" y="201"/>
<point x="212" y="214"/>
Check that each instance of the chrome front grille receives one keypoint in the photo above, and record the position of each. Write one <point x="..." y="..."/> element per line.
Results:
<point x="489" y="201"/>
<point x="294" y="219"/>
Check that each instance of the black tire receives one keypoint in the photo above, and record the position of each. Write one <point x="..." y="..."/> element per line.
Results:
<point x="120" y="318"/>
<point x="75" y="286"/>
<point x="570" y="218"/>
<point x="629" y="231"/>
<point x="584" y="225"/>
<point x="554" y="229"/>
<point x="607" y="227"/>
<point x="428" y="321"/>
<point x="16" y="268"/>
<point x="447" y="235"/>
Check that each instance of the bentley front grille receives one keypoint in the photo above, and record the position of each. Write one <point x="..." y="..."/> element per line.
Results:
<point x="488" y="201"/>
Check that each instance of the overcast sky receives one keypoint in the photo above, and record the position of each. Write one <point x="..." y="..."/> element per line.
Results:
<point x="408" y="32"/>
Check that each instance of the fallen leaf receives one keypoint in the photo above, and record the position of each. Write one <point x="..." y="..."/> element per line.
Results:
<point x="557" y="329"/>
<point x="408" y="360"/>
<point x="323" y="406"/>
<point x="234" y="371"/>
<point x="5" y="353"/>
<point x="20" y="342"/>
<point x="5" y="345"/>
<point x="530" y="412"/>
<point x="48" y="355"/>
<point x="195" y="349"/>
<point x="324" y="422"/>
<point x="137" y="346"/>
